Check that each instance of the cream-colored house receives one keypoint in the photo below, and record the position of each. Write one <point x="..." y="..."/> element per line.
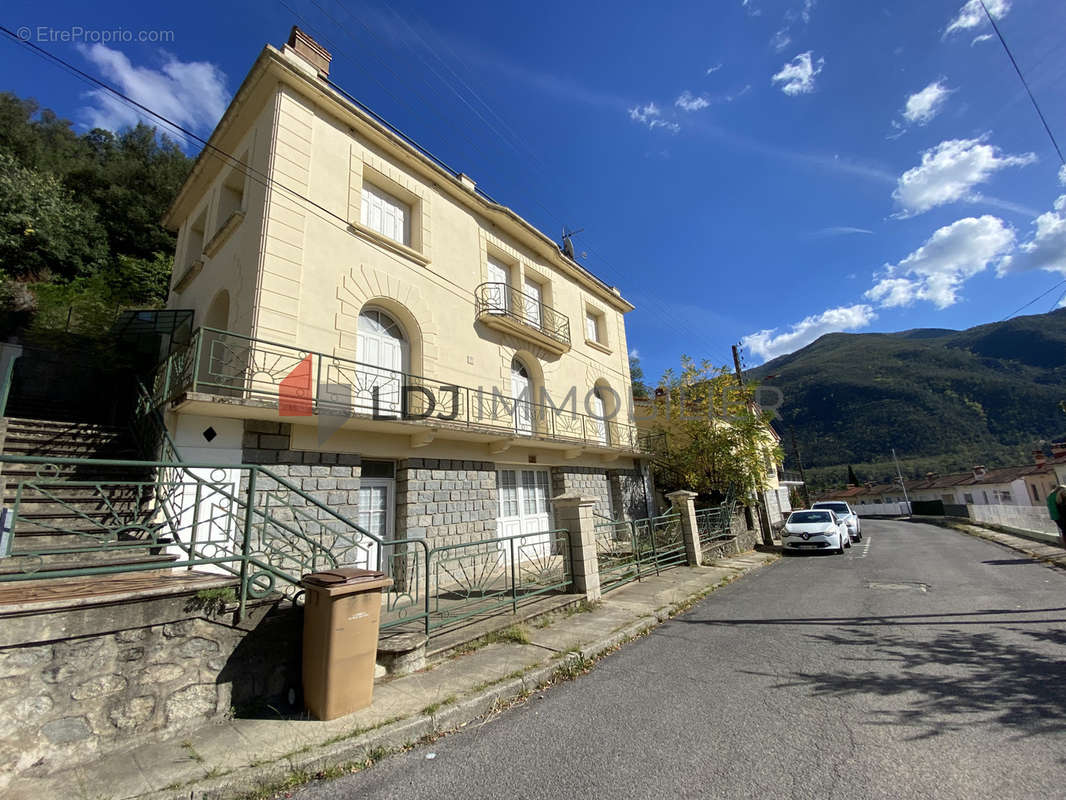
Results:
<point x="376" y="328"/>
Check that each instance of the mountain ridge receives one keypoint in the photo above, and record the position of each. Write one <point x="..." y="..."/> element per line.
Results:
<point x="945" y="399"/>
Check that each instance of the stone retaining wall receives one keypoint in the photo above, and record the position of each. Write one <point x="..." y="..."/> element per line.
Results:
<point x="67" y="699"/>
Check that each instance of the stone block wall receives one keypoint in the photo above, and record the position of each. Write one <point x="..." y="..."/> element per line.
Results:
<point x="589" y="481"/>
<point x="628" y="493"/>
<point x="446" y="501"/>
<point x="331" y="478"/>
<point x="65" y="701"/>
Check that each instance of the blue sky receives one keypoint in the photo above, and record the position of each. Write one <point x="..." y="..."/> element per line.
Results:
<point x="756" y="171"/>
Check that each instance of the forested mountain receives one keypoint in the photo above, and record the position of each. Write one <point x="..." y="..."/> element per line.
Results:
<point x="79" y="219"/>
<point x="944" y="399"/>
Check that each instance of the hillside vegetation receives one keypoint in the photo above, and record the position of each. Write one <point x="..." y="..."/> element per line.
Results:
<point x="80" y="237"/>
<point x="944" y="399"/>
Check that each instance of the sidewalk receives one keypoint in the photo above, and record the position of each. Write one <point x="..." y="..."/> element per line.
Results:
<point x="258" y="757"/>
<point x="1041" y="551"/>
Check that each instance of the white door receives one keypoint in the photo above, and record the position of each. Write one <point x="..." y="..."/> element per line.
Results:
<point x="375" y="515"/>
<point x="532" y="302"/>
<point x="599" y="417"/>
<point x="525" y="509"/>
<point x="383" y="354"/>
<point x="499" y="294"/>
<point x="521" y="391"/>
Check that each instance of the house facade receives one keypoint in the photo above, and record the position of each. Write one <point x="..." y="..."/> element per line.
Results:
<point x="384" y="334"/>
<point x="1025" y="486"/>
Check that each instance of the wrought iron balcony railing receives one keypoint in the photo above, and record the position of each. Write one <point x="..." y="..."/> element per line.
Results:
<point x="788" y="476"/>
<point x="500" y="300"/>
<point x="303" y="382"/>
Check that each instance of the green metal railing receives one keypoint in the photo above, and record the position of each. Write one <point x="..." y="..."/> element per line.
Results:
<point x="627" y="550"/>
<point x="715" y="524"/>
<point x="231" y="365"/>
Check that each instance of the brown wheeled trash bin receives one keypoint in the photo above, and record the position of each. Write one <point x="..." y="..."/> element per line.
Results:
<point x="341" y="613"/>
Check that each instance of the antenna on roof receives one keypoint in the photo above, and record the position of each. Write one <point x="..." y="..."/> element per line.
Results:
<point x="568" y="245"/>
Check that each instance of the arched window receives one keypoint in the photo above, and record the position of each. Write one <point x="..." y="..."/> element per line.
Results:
<point x="384" y="354"/>
<point x="522" y="392"/>
<point x="598" y="407"/>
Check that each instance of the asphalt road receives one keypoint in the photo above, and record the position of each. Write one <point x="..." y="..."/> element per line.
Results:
<point x="924" y="664"/>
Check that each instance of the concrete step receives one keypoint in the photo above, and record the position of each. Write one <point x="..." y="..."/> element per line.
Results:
<point x="36" y="507"/>
<point x="78" y="536"/>
<point x="66" y="561"/>
<point x="27" y="423"/>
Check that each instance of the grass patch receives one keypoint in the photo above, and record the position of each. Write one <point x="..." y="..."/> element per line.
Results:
<point x="191" y="752"/>
<point x="517" y="634"/>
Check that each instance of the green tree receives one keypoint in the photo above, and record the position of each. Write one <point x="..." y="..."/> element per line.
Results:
<point x="44" y="231"/>
<point x="636" y="378"/>
<point x="852" y="479"/>
<point x="712" y="437"/>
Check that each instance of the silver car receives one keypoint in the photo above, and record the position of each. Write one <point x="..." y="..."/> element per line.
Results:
<point x="816" y="529"/>
<point x="843" y="512"/>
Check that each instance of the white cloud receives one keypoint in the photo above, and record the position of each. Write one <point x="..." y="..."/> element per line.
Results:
<point x="651" y="116"/>
<point x="984" y="37"/>
<point x="1046" y="248"/>
<point x="972" y="15"/>
<point x="192" y="94"/>
<point x="797" y="76"/>
<point x="748" y="6"/>
<point x="949" y="172"/>
<point x="689" y="102"/>
<point x="1062" y="174"/>
<point x="922" y="106"/>
<point x="952" y="255"/>
<point x="715" y="68"/>
<point x="781" y="40"/>
<point x="634" y="352"/>
<point x="768" y="344"/>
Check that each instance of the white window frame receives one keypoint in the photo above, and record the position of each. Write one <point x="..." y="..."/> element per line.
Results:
<point x="394" y="214"/>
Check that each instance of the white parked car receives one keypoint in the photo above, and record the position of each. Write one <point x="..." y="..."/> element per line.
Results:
<point x="815" y="529"/>
<point x="844" y="512"/>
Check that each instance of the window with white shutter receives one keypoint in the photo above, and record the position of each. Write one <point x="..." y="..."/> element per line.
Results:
<point x="592" y="330"/>
<point x="386" y="214"/>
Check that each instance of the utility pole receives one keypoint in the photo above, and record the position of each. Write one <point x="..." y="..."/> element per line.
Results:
<point x="799" y="464"/>
<point x="902" y="485"/>
<point x="736" y="365"/>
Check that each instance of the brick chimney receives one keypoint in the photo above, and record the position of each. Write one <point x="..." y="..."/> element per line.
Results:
<point x="1039" y="458"/>
<point x="310" y="51"/>
<point x="979" y="472"/>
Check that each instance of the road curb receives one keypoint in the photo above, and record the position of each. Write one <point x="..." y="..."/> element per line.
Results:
<point x="352" y="754"/>
<point x="1020" y="545"/>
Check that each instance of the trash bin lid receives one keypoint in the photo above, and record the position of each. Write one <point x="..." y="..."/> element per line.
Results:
<point x="342" y="576"/>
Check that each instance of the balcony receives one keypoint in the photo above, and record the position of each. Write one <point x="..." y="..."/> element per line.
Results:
<point x="506" y="309"/>
<point x="228" y="374"/>
<point x="788" y="477"/>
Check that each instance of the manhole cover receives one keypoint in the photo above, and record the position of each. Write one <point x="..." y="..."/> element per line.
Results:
<point x="913" y="586"/>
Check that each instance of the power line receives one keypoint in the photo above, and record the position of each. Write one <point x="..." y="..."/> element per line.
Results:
<point x="664" y="313"/>
<point x="1038" y="297"/>
<point x="1025" y="83"/>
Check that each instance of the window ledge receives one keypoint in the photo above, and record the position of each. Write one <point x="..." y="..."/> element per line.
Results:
<point x="389" y="244"/>
<point x="188" y="275"/>
<point x="597" y="346"/>
<point x="228" y="227"/>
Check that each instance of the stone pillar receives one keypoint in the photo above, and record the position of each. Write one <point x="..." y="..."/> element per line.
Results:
<point x="684" y="503"/>
<point x="575" y="513"/>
